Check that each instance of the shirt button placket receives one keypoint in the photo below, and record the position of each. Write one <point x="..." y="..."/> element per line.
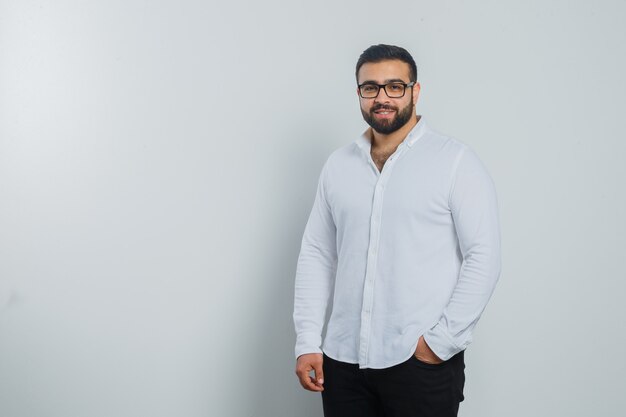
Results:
<point x="368" y="290"/>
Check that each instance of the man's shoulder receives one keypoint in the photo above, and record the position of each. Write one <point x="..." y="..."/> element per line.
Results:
<point x="441" y="142"/>
<point x="454" y="153"/>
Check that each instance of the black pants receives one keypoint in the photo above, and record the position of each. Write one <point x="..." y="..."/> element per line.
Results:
<point x="410" y="389"/>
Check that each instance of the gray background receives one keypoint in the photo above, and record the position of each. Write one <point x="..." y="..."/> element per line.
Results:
<point x="158" y="161"/>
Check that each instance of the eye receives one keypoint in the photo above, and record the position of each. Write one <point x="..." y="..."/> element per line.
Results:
<point x="395" y="87"/>
<point x="369" y="88"/>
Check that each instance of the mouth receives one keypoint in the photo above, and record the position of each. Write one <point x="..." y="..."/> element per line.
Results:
<point x="384" y="113"/>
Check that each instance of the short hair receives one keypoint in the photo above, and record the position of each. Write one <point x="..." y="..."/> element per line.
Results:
<point x="379" y="53"/>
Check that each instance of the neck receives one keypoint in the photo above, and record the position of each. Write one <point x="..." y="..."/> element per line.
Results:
<point x="393" y="139"/>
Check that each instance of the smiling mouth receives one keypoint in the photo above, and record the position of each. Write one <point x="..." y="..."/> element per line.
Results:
<point x="384" y="113"/>
<point x="383" y="109"/>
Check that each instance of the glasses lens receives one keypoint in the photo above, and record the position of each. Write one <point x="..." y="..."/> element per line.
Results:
<point x="369" y="90"/>
<point x="395" y="89"/>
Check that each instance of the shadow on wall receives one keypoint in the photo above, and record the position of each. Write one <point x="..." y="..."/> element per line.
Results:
<point x="275" y="389"/>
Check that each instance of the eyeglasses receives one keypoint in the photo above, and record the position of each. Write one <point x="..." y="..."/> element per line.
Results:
<point x="393" y="90"/>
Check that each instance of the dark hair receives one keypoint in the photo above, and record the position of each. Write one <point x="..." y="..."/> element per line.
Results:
<point x="378" y="53"/>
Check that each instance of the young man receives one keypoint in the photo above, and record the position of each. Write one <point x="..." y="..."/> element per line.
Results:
<point x="404" y="234"/>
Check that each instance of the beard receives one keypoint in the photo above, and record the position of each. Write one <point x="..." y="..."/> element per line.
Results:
<point x="385" y="127"/>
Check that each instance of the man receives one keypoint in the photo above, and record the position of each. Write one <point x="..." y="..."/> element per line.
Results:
<point x="404" y="234"/>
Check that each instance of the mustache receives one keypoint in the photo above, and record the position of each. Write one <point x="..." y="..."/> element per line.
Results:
<point x="382" y="107"/>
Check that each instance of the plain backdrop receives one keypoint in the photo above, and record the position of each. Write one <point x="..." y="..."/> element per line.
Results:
<point x="158" y="162"/>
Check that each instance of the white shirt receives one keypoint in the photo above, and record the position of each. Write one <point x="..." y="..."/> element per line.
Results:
<point x="408" y="251"/>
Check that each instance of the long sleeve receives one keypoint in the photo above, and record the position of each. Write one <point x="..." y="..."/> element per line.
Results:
<point x="315" y="273"/>
<point x="474" y="209"/>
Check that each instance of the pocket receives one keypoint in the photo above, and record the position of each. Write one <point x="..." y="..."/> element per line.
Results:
<point x="426" y="364"/>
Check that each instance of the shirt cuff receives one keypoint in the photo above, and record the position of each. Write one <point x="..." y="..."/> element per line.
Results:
<point x="307" y="344"/>
<point x="440" y="343"/>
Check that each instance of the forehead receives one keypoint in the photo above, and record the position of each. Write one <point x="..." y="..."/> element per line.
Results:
<point x="383" y="71"/>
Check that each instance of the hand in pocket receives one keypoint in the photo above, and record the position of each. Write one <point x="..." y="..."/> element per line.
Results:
<point x="425" y="354"/>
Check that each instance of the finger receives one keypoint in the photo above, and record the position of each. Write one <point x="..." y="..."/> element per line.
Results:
<point x="316" y="387"/>
<point x="319" y="373"/>
<point x="306" y="381"/>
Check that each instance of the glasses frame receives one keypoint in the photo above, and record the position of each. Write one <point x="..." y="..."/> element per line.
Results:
<point x="384" y="87"/>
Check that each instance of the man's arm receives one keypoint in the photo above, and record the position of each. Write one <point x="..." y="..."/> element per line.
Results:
<point x="315" y="273"/>
<point x="474" y="209"/>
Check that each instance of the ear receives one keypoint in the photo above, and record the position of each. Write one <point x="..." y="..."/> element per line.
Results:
<point x="416" y="92"/>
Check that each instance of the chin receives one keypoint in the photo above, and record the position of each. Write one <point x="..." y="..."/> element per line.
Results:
<point x="385" y="129"/>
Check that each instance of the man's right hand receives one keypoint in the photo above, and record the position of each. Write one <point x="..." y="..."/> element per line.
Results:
<point x="307" y="363"/>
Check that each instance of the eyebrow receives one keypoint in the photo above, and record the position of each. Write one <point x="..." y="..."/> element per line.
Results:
<point x="387" y="81"/>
